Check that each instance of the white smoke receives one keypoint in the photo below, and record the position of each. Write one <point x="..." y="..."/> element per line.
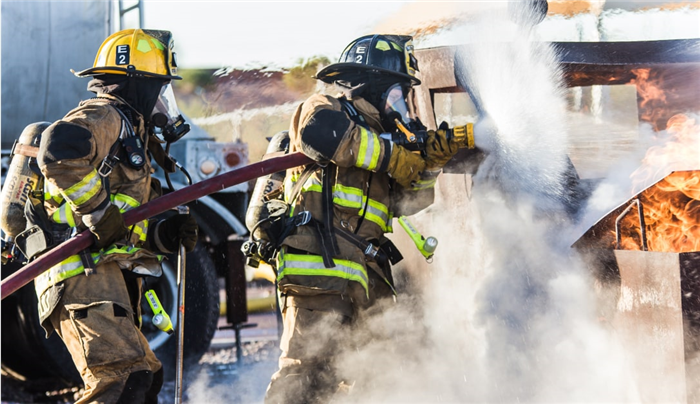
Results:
<point x="507" y="311"/>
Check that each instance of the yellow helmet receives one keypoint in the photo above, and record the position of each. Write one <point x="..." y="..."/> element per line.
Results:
<point x="136" y="52"/>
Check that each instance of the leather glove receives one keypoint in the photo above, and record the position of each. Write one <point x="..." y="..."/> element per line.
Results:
<point x="405" y="167"/>
<point x="438" y="149"/>
<point x="109" y="228"/>
<point x="175" y="229"/>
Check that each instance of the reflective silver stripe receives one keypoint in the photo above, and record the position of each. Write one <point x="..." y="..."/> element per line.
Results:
<point x="342" y="197"/>
<point x="312" y="265"/>
<point x="85" y="189"/>
<point x="368" y="155"/>
<point x="64" y="215"/>
<point x="68" y="268"/>
<point x="377" y="213"/>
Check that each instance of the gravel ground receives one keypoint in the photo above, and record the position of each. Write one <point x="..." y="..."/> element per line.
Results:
<point x="221" y="379"/>
<point x="218" y="378"/>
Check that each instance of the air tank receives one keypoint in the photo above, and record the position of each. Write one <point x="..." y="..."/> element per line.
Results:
<point x="19" y="182"/>
<point x="257" y="209"/>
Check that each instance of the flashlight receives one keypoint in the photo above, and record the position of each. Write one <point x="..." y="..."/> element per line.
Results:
<point x="160" y="320"/>
<point x="426" y="246"/>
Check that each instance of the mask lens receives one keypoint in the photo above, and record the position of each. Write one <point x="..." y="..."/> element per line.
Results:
<point x="396" y="103"/>
<point x="166" y="104"/>
<point x="167" y="115"/>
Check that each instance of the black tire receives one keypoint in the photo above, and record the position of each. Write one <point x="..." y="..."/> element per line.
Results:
<point x="201" y="310"/>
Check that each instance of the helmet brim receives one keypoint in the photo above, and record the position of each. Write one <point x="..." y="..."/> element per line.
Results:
<point x="336" y="71"/>
<point x="93" y="71"/>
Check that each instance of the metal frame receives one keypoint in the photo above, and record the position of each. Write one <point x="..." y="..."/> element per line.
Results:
<point x="122" y="11"/>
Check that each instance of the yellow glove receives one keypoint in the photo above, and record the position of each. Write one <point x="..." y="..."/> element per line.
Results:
<point x="405" y="167"/>
<point x="438" y="149"/>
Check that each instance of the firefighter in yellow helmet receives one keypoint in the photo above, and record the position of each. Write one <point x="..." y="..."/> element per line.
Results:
<point x="96" y="164"/>
<point x="334" y="263"/>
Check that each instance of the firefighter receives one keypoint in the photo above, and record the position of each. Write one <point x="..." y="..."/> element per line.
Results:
<point x="96" y="164"/>
<point x="334" y="261"/>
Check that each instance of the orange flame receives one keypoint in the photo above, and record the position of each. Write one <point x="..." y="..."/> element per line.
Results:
<point x="671" y="207"/>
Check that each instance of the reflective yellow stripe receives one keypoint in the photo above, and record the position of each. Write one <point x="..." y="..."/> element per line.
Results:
<point x="64" y="214"/>
<point x="424" y="184"/>
<point x="67" y="268"/>
<point x="52" y="192"/>
<point x="141" y="228"/>
<point x="350" y="197"/>
<point x="368" y="155"/>
<point x="377" y="213"/>
<point x="312" y="265"/>
<point x="85" y="189"/>
<point x="124" y="203"/>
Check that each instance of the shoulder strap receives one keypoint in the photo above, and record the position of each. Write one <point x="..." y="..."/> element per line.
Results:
<point x="352" y="112"/>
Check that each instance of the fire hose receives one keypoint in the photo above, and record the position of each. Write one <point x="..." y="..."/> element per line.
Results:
<point x="159" y="205"/>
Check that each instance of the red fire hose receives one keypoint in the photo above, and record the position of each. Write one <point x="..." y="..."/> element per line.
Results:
<point x="159" y="205"/>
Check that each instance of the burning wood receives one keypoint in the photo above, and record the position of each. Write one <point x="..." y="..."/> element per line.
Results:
<point x="670" y="207"/>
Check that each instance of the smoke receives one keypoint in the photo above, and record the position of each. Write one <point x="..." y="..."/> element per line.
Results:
<point x="506" y="312"/>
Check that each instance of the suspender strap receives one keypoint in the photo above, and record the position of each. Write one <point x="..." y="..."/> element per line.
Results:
<point x="328" y="242"/>
<point x="303" y="177"/>
<point x="370" y="250"/>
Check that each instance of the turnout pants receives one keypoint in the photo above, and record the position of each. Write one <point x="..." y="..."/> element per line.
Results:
<point x="96" y="320"/>
<point x="316" y="330"/>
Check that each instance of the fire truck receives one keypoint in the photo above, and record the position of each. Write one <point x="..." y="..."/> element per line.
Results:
<point x="41" y="42"/>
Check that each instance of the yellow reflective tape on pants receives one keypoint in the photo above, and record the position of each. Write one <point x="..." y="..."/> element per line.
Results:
<point x="67" y="268"/>
<point x="368" y="155"/>
<point x="81" y="192"/>
<point x="312" y="265"/>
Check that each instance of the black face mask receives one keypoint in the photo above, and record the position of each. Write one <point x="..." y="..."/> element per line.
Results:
<point x="140" y="93"/>
<point x="385" y="94"/>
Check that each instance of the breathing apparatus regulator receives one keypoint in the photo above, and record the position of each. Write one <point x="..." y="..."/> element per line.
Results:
<point x="171" y="126"/>
<point x="410" y="132"/>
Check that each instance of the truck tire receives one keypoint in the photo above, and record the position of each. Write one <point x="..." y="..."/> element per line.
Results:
<point x="41" y="364"/>
<point x="201" y="309"/>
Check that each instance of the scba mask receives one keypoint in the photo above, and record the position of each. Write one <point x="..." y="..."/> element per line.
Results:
<point x="395" y="107"/>
<point x="167" y="116"/>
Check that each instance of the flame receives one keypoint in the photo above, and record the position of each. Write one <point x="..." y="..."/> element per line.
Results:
<point x="652" y="97"/>
<point x="671" y="207"/>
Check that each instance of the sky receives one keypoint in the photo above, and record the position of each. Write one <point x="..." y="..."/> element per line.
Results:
<point x="213" y="34"/>
<point x="240" y="34"/>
